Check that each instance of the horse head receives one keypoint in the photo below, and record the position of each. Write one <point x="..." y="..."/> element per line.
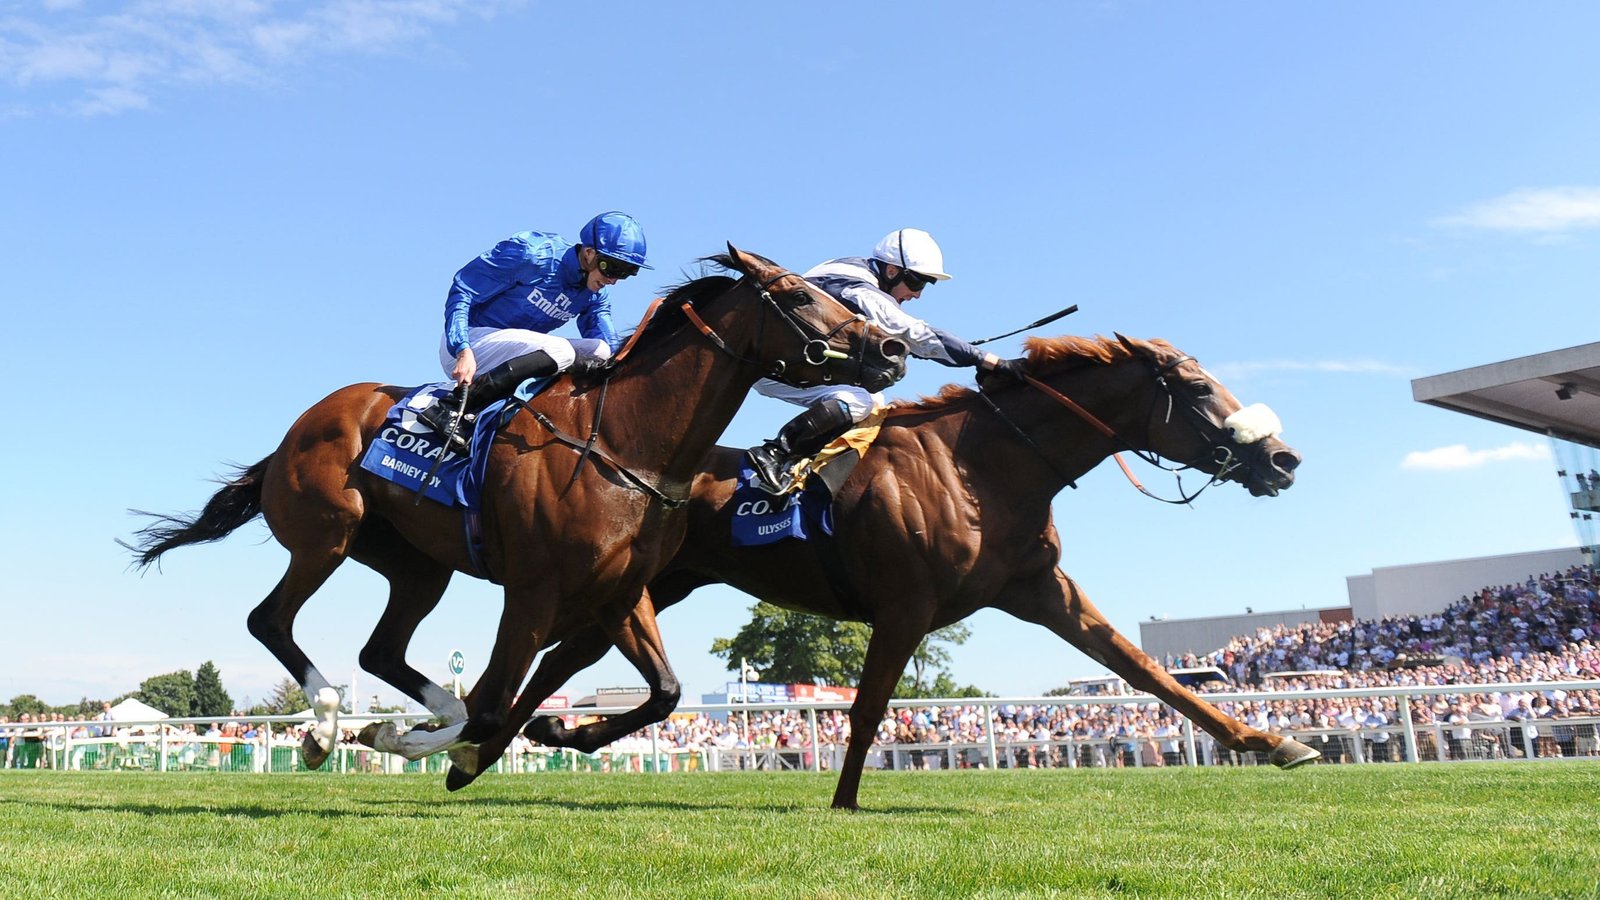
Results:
<point x="1195" y="420"/>
<point x="807" y="337"/>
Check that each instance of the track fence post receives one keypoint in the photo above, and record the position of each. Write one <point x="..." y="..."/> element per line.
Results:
<point x="1403" y="710"/>
<point x="988" y="728"/>
<point x="816" y="740"/>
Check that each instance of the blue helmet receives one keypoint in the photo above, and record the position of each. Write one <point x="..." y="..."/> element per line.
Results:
<point x="616" y="235"/>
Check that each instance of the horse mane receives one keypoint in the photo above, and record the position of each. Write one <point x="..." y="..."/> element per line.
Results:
<point x="1044" y="356"/>
<point x="669" y="317"/>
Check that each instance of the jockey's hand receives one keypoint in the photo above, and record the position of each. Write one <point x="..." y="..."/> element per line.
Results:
<point x="466" y="366"/>
<point x="1006" y="370"/>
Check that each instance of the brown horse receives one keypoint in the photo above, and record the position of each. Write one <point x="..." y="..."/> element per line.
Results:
<point x="949" y="512"/>
<point x="573" y="544"/>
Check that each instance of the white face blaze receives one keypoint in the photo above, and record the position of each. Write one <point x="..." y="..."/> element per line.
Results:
<point x="1253" y="423"/>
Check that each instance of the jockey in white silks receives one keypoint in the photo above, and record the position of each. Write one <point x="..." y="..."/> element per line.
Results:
<point x="904" y="264"/>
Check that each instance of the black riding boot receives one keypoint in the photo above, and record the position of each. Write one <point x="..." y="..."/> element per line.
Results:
<point x="803" y="437"/>
<point x="486" y="388"/>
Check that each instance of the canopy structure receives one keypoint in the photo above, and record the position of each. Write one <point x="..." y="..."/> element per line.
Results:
<point x="135" y="710"/>
<point x="1555" y="393"/>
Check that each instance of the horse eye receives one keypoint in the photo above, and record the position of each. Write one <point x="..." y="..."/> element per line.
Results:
<point x="1202" y="389"/>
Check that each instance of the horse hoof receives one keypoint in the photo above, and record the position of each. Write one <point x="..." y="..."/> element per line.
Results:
<point x="456" y="779"/>
<point x="465" y="758"/>
<point x="546" y="730"/>
<point x="1292" y="753"/>
<point x="313" y="753"/>
<point x="369" y="734"/>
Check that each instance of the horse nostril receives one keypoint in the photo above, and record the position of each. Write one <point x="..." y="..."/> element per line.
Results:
<point x="1286" y="460"/>
<point x="894" y="349"/>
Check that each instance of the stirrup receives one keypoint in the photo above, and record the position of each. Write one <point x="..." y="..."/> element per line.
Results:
<point x="765" y="460"/>
<point x="440" y="417"/>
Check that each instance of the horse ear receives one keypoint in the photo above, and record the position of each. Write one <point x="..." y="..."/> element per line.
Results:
<point x="1131" y="345"/>
<point x="744" y="261"/>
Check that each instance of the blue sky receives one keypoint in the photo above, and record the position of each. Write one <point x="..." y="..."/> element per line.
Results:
<point x="216" y="212"/>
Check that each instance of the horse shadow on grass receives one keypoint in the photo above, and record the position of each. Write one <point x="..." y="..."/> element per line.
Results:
<point x="385" y="808"/>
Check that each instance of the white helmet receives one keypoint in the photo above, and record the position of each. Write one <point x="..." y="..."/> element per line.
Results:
<point x="914" y="249"/>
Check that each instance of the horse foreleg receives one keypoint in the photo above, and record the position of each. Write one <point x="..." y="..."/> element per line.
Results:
<point x="272" y="623"/>
<point x="1056" y="602"/>
<point x="890" y="649"/>
<point x="636" y="635"/>
<point x="573" y="655"/>
<point x="566" y="659"/>
<point x="525" y="624"/>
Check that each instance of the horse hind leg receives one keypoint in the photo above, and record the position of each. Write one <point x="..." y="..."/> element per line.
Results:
<point x="272" y="623"/>
<point x="416" y="583"/>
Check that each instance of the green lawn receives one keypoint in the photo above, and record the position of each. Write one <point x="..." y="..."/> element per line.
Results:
<point x="1505" y="829"/>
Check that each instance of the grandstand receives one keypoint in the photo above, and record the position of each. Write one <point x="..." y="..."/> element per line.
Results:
<point x="1555" y="394"/>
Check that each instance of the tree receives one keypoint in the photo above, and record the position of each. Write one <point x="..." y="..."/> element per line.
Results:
<point x="286" y="700"/>
<point x="86" y="709"/>
<point x="210" y="699"/>
<point x="797" y="648"/>
<point x="172" y="693"/>
<point x="26" y="703"/>
<point x="941" y="686"/>
<point x="930" y="655"/>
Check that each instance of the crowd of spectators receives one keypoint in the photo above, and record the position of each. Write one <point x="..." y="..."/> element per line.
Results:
<point x="1545" y="629"/>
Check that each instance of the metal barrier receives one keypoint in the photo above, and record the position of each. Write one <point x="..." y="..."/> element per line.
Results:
<point x="271" y="744"/>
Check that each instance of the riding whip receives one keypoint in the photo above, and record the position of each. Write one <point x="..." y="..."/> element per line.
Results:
<point x="449" y="438"/>
<point x="1044" y="321"/>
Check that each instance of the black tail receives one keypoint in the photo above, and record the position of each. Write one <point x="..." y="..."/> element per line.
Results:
<point x="238" y="502"/>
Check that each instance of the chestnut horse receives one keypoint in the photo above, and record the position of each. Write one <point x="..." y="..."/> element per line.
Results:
<point x="949" y="512"/>
<point x="573" y="544"/>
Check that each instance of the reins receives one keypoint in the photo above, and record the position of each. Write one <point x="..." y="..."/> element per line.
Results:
<point x="1227" y="462"/>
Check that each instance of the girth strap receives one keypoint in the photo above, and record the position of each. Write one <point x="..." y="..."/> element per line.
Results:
<point x="588" y="446"/>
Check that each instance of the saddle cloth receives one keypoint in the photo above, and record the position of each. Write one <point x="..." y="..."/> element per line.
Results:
<point x="406" y="449"/>
<point x="762" y="518"/>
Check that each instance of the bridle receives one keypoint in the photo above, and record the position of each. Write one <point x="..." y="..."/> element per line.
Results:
<point x="1219" y="439"/>
<point x="817" y="348"/>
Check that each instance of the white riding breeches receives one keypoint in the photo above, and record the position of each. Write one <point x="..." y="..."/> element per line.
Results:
<point x="493" y="346"/>
<point x="859" y="401"/>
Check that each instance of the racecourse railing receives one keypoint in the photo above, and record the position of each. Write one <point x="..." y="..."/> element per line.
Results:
<point x="271" y="744"/>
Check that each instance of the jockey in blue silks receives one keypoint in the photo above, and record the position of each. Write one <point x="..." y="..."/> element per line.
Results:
<point x="503" y="305"/>
<point x="904" y="264"/>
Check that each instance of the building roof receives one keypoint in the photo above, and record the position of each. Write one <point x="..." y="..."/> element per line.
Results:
<point x="1555" y="393"/>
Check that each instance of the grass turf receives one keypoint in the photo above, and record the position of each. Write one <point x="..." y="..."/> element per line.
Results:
<point x="1497" y="829"/>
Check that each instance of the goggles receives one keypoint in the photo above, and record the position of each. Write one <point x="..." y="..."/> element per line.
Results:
<point x="615" y="268"/>
<point x="915" y="281"/>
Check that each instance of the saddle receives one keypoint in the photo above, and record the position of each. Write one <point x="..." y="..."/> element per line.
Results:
<point x="806" y="508"/>
<point x="834" y="463"/>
